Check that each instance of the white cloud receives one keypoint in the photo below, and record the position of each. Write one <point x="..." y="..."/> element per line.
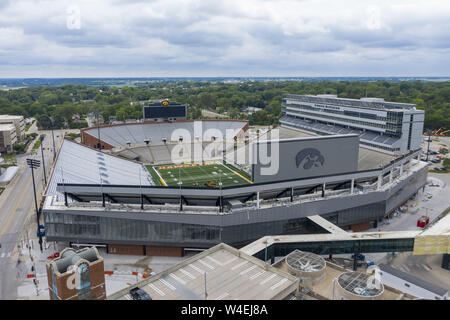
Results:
<point x="233" y="37"/>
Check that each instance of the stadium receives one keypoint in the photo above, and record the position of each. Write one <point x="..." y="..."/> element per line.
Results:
<point x="165" y="187"/>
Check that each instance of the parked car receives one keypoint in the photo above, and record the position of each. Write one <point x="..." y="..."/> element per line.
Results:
<point x="139" y="294"/>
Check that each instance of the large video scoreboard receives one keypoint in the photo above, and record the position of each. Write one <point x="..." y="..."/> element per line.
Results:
<point x="165" y="110"/>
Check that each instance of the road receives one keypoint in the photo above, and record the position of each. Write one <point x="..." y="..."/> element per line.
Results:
<point x="426" y="267"/>
<point x="16" y="206"/>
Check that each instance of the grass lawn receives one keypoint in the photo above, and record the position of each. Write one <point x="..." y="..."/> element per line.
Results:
<point x="206" y="175"/>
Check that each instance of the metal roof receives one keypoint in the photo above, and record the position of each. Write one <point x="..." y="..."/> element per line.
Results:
<point x="80" y="164"/>
<point x="230" y="275"/>
<point x="412" y="279"/>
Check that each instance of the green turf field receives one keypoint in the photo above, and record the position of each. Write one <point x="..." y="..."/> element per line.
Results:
<point x="207" y="175"/>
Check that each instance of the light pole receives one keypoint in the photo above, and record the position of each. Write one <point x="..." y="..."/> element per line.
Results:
<point x="34" y="164"/>
<point x="98" y="131"/>
<point x="429" y="139"/>
<point x="220" y="186"/>
<point x="53" y="135"/>
<point x="43" y="162"/>
<point x="180" y="183"/>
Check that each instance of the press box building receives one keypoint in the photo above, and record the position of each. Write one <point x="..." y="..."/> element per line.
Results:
<point x="390" y="127"/>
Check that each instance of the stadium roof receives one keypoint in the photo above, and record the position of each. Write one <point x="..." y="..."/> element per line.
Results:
<point x="230" y="275"/>
<point x="80" y="164"/>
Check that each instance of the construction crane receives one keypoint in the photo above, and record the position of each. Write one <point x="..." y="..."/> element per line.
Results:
<point x="436" y="133"/>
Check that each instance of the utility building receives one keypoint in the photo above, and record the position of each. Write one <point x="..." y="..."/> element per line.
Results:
<point x="77" y="275"/>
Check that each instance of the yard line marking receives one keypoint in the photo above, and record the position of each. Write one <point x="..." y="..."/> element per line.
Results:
<point x="197" y="269"/>
<point x="239" y="265"/>
<point x="206" y="264"/>
<point x="222" y="296"/>
<point x="229" y="261"/>
<point x="187" y="273"/>
<point x="247" y="270"/>
<point x="256" y="275"/>
<point x="240" y="175"/>
<point x="178" y="279"/>
<point x="160" y="178"/>
<point x="276" y="285"/>
<point x="214" y="260"/>
<point x="267" y="279"/>
<point x="167" y="284"/>
<point x="151" y="285"/>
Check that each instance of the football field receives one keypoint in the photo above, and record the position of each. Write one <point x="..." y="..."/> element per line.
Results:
<point x="200" y="175"/>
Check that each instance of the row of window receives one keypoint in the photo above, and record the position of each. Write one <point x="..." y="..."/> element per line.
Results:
<point x="391" y="116"/>
<point x="388" y="126"/>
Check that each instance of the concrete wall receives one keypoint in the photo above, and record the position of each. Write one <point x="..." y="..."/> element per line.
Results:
<point x="306" y="157"/>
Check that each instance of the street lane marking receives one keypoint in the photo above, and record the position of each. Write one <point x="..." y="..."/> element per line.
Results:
<point x="178" y="279"/>
<point x="168" y="285"/>
<point x="197" y="269"/>
<point x="214" y="260"/>
<point x="229" y="261"/>
<point x="187" y="273"/>
<point x="3" y="255"/>
<point x="256" y="275"/>
<point x="247" y="270"/>
<point x="156" y="289"/>
<point x="222" y="296"/>
<point x="15" y="209"/>
<point x="267" y="279"/>
<point x="276" y="285"/>
<point x="206" y="264"/>
<point x="239" y="265"/>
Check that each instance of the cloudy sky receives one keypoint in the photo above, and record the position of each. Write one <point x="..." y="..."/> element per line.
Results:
<point x="88" y="38"/>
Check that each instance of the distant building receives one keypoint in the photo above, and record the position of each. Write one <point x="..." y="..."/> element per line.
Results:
<point x="8" y="137"/>
<point x="77" y="275"/>
<point x="164" y="110"/>
<point x="390" y="127"/>
<point x="18" y="122"/>
<point x="251" y="110"/>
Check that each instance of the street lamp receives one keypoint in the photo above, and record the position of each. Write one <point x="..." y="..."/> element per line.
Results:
<point x="429" y="139"/>
<point x="181" y="197"/>
<point x="34" y="164"/>
<point x="43" y="162"/>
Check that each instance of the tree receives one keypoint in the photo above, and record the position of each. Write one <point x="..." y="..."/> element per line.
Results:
<point x="446" y="163"/>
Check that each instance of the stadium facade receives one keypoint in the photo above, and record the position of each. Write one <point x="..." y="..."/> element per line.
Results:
<point x="390" y="127"/>
<point x="99" y="198"/>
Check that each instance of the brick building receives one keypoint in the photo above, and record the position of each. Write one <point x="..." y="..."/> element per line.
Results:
<point x="77" y="275"/>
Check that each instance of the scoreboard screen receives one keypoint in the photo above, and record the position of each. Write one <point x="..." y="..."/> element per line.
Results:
<point x="151" y="112"/>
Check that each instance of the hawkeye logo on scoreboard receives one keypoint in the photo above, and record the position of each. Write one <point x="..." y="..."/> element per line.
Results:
<point x="165" y="103"/>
